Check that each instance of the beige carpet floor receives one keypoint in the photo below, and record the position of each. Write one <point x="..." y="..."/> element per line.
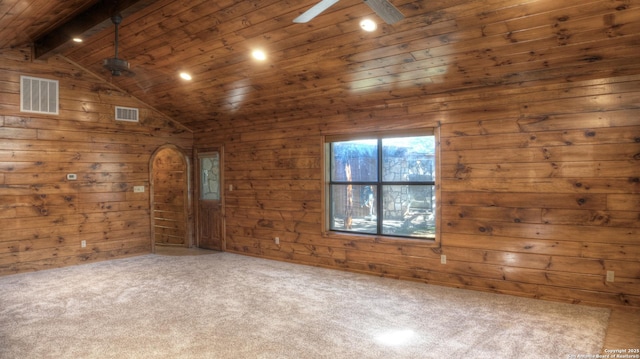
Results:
<point x="232" y="306"/>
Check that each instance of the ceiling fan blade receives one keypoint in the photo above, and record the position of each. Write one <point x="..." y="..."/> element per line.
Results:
<point x="316" y="10"/>
<point x="389" y="13"/>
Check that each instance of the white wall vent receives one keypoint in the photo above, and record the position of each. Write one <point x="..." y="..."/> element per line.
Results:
<point x="126" y="114"/>
<point x="38" y="95"/>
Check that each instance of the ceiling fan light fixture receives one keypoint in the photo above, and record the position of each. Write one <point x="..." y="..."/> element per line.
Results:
<point x="389" y="13"/>
<point x="115" y="65"/>
<point x="368" y="25"/>
<point x="383" y="8"/>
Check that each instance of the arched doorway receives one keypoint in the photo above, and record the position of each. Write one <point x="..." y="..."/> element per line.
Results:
<point x="170" y="198"/>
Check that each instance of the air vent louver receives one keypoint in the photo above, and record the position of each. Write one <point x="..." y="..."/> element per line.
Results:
<point x="38" y="95"/>
<point x="126" y="114"/>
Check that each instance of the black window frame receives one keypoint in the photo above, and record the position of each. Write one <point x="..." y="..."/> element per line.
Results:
<point x="379" y="184"/>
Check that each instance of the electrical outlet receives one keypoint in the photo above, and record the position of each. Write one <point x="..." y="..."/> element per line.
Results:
<point x="610" y="276"/>
<point x="276" y="240"/>
<point x="72" y="176"/>
<point x="443" y="259"/>
<point x="83" y="244"/>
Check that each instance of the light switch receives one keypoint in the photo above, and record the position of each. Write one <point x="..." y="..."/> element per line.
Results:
<point x="138" y="189"/>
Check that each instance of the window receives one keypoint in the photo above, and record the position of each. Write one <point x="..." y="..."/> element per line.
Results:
<point x="210" y="176"/>
<point x="382" y="185"/>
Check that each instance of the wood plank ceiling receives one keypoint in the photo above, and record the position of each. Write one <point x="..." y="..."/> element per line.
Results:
<point x="330" y="64"/>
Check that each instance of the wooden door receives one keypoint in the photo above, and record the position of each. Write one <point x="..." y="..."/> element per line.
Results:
<point x="210" y="227"/>
<point x="170" y="198"/>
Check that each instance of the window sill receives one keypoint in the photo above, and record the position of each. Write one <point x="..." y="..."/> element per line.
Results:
<point x="365" y="238"/>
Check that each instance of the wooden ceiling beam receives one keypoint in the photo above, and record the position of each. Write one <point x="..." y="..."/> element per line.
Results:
<point x="85" y="24"/>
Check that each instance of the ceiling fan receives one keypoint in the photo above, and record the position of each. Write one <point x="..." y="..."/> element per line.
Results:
<point x="389" y="13"/>
<point x="115" y="65"/>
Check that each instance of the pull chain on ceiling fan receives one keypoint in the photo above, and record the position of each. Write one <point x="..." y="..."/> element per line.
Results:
<point x="389" y="13"/>
<point x="115" y="65"/>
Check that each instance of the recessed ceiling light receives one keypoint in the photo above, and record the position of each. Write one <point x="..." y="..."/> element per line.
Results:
<point x="368" y="25"/>
<point x="77" y="39"/>
<point x="259" y="55"/>
<point x="185" y="76"/>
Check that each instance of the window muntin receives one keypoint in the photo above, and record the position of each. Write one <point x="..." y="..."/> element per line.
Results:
<point x="383" y="186"/>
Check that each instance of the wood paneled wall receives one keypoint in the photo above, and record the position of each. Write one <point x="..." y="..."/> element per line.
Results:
<point x="540" y="190"/>
<point x="43" y="216"/>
